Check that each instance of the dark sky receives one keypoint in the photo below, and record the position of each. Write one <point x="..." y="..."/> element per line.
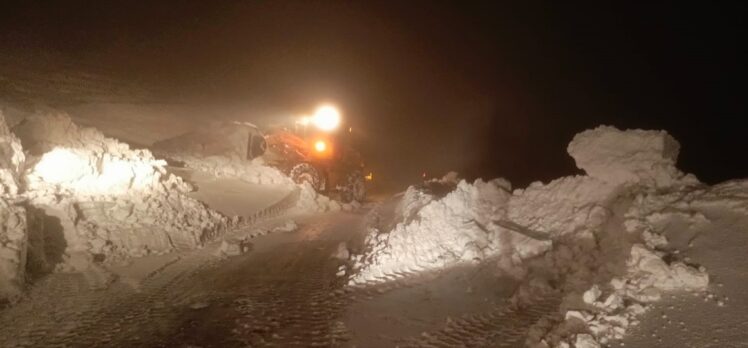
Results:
<point x="479" y="87"/>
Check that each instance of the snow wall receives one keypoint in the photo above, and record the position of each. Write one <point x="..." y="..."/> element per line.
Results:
<point x="595" y="239"/>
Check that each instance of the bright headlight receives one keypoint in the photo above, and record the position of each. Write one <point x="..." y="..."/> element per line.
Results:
<point x="326" y="118"/>
<point x="320" y="146"/>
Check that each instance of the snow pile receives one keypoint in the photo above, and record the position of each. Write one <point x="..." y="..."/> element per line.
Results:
<point x="254" y="171"/>
<point x="632" y="156"/>
<point x="83" y="161"/>
<point x="434" y="233"/>
<point x="596" y="239"/>
<point x="13" y="235"/>
<point x="610" y="258"/>
<point x="109" y="200"/>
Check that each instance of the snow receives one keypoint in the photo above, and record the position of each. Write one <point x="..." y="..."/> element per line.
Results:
<point x="342" y="252"/>
<point x="13" y="238"/>
<point x="311" y="201"/>
<point x="107" y="199"/>
<point x="288" y="226"/>
<point x="631" y="156"/>
<point x="12" y="249"/>
<point x="598" y="238"/>
<point x="11" y="159"/>
<point x="564" y="206"/>
<point x="235" y="246"/>
<point x="231" y="196"/>
<point x="254" y="172"/>
<point x="434" y="233"/>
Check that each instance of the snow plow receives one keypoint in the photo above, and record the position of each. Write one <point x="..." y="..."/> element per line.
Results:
<point x="318" y="155"/>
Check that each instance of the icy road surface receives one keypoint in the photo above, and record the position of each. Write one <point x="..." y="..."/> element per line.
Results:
<point x="283" y="292"/>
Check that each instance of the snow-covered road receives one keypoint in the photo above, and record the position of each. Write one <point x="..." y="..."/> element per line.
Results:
<point x="284" y="292"/>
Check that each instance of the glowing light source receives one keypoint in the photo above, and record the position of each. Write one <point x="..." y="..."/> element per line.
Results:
<point x="326" y="118"/>
<point x="320" y="146"/>
<point x="369" y="177"/>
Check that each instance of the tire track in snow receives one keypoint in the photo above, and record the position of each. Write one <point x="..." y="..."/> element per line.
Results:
<point x="63" y="310"/>
<point x="502" y="327"/>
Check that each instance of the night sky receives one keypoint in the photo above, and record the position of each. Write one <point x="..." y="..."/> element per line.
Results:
<point x="478" y="87"/>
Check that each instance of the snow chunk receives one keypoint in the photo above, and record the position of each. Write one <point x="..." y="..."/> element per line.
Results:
<point x="288" y="226"/>
<point x="342" y="253"/>
<point x="586" y="341"/>
<point x="235" y="246"/>
<point x="651" y="271"/>
<point x="631" y="156"/>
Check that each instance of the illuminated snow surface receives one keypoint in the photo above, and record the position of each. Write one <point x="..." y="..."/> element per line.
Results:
<point x="633" y="252"/>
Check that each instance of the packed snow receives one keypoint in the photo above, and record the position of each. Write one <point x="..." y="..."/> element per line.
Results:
<point x="596" y="238"/>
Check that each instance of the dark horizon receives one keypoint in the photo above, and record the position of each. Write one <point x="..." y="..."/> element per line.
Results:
<point x="485" y="89"/>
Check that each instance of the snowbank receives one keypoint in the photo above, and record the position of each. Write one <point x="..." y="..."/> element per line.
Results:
<point x="434" y="233"/>
<point x="110" y="200"/>
<point x="597" y="238"/>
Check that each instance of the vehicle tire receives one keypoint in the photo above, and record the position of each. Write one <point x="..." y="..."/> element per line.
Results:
<point x="305" y="172"/>
<point x="354" y="188"/>
<point x="256" y="146"/>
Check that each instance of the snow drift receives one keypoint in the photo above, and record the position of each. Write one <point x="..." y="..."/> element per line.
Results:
<point x="595" y="238"/>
